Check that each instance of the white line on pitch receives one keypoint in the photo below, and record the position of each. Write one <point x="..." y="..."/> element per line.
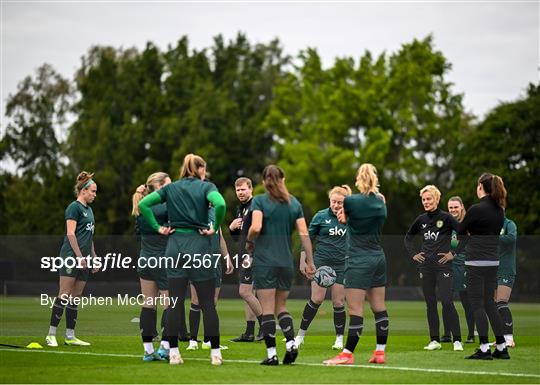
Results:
<point x="296" y="364"/>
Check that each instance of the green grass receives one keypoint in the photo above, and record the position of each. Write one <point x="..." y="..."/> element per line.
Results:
<point x="116" y="351"/>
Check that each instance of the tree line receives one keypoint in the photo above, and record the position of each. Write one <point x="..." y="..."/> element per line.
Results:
<point x="127" y="113"/>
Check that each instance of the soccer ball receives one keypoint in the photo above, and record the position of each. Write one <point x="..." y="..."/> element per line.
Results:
<point x="325" y="276"/>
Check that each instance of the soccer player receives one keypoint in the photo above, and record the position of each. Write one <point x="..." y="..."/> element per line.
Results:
<point x="484" y="222"/>
<point x="219" y="253"/>
<point x="365" y="267"/>
<point x="239" y="228"/>
<point x="434" y="264"/>
<point x="457" y="210"/>
<point x="153" y="281"/>
<point x="275" y="215"/>
<point x="330" y="236"/>
<point x="506" y="275"/>
<point x="187" y="203"/>
<point x="77" y="247"/>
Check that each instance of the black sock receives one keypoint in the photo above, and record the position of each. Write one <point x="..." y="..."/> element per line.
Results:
<point x="57" y="311"/>
<point x="71" y="315"/>
<point x="310" y="310"/>
<point x="356" y="324"/>
<point x="381" y="327"/>
<point x="268" y="326"/>
<point x="176" y="312"/>
<point x="340" y="318"/>
<point x="250" y="328"/>
<point x="147" y="323"/>
<point x="506" y="316"/>
<point x="259" y="320"/>
<point x="286" y="325"/>
<point x="194" y="320"/>
<point x="163" y="322"/>
<point x="205" y="292"/>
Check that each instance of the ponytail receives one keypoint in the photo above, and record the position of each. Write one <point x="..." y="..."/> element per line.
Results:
<point x="140" y="193"/>
<point x="498" y="191"/>
<point x="155" y="180"/>
<point x="493" y="185"/>
<point x="191" y="165"/>
<point x="274" y="184"/>
<point x="366" y="179"/>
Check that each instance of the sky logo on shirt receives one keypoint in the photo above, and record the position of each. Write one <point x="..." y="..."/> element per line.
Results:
<point x="431" y="235"/>
<point x="337" y="231"/>
<point x="90" y="227"/>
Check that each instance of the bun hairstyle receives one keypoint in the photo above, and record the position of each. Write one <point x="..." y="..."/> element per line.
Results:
<point x="493" y="185"/>
<point x="344" y="190"/>
<point x="191" y="165"/>
<point x="367" y="180"/>
<point x="274" y="183"/>
<point x="153" y="181"/>
<point x="81" y="183"/>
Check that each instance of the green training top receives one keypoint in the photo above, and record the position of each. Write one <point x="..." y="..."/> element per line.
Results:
<point x="84" y="231"/>
<point x="152" y="244"/>
<point x="273" y="245"/>
<point x="365" y="219"/>
<point x="459" y="259"/>
<point x="187" y="202"/>
<point x="330" y="235"/>
<point x="507" y="248"/>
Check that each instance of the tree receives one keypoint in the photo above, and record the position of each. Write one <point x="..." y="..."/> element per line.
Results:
<point x="37" y="115"/>
<point x="506" y="143"/>
<point x="397" y="112"/>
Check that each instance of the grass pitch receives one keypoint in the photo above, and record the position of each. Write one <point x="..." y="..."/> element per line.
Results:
<point x="116" y="351"/>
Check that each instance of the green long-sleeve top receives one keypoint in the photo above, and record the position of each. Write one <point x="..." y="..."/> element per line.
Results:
<point x="507" y="248"/>
<point x="187" y="202"/>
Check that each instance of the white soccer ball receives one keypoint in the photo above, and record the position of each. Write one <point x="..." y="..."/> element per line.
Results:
<point x="325" y="276"/>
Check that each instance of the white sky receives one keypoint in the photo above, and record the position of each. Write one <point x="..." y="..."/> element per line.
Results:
<point x="493" y="46"/>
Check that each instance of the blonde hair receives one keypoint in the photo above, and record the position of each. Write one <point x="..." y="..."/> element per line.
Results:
<point x="156" y="179"/>
<point x="344" y="190"/>
<point x="191" y="165"/>
<point x="433" y="190"/>
<point x="367" y="180"/>
<point x="81" y="181"/>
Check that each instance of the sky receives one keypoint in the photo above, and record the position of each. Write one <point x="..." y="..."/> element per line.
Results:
<point x="493" y="46"/>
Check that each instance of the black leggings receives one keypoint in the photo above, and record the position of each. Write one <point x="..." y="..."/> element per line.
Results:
<point x="481" y="286"/>
<point x="469" y="316"/>
<point x="433" y="278"/>
<point x="205" y="292"/>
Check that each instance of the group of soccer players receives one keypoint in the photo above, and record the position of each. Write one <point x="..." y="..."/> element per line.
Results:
<point x="182" y="219"/>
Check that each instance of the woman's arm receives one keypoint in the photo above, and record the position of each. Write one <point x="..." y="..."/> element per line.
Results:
<point x="306" y="246"/>
<point x="216" y="199"/>
<point x="254" y="229"/>
<point x="145" y="207"/>
<point x="71" y="225"/>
